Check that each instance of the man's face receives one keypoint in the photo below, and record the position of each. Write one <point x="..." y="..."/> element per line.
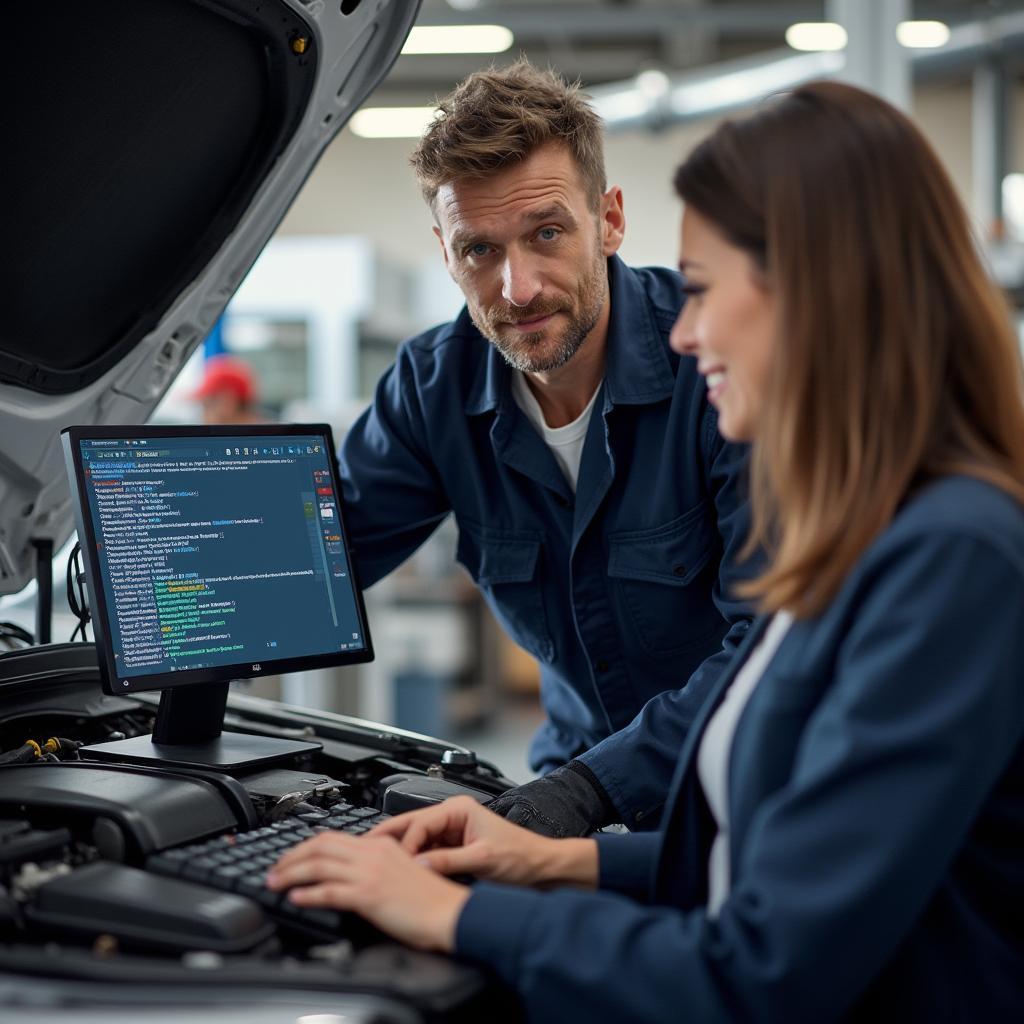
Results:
<point x="528" y="251"/>
<point x="222" y="407"/>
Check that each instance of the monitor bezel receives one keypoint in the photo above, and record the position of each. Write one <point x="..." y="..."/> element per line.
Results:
<point x="110" y="680"/>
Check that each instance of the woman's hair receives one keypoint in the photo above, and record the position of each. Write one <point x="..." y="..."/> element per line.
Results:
<point x="895" y="361"/>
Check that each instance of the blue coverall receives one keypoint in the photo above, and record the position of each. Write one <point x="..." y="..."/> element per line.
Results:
<point x="621" y="590"/>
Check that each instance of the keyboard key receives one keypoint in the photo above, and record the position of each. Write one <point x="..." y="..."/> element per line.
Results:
<point x="339" y="823"/>
<point x="254" y="885"/>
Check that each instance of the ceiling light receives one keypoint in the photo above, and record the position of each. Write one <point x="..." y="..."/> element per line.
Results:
<point x="392" y="122"/>
<point x="816" y="35"/>
<point x="748" y="85"/>
<point x="654" y="84"/>
<point x="922" y="35"/>
<point x="458" y="39"/>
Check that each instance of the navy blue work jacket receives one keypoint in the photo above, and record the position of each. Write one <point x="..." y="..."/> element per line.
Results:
<point x="620" y="590"/>
<point x="876" y="795"/>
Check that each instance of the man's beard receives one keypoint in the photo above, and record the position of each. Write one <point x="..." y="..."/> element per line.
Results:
<point x="527" y="352"/>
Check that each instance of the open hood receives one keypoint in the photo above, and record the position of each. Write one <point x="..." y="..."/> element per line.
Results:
<point x="153" y="147"/>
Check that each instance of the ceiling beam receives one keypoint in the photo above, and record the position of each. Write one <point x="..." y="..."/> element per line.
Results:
<point x="600" y="21"/>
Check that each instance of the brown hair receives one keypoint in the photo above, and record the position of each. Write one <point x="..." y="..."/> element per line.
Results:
<point x="498" y="117"/>
<point x="896" y="361"/>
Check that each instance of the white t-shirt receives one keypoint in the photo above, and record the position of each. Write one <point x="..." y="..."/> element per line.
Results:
<point x="566" y="443"/>
<point x="715" y="746"/>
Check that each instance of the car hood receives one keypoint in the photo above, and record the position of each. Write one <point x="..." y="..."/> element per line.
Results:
<point x="155" y="146"/>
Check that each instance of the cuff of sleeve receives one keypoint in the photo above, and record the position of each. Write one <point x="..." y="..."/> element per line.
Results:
<point x="626" y="863"/>
<point x="493" y="924"/>
<point x="595" y="764"/>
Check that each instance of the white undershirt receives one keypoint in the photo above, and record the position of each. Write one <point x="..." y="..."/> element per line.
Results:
<point x="566" y="443"/>
<point x="713" y="754"/>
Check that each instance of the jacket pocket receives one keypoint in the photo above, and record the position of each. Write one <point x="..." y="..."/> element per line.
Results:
<point x="506" y="566"/>
<point x="665" y="578"/>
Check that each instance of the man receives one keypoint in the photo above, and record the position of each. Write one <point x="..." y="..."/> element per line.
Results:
<point x="549" y="417"/>
<point x="227" y="391"/>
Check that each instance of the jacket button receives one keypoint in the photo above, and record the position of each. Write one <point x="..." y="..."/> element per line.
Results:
<point x="678" y="570"/>
<point x="563" y="501"/>
<point x="601" y="665"/>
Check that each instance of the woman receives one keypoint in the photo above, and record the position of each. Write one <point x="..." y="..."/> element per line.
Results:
<point x="845" y="831"/>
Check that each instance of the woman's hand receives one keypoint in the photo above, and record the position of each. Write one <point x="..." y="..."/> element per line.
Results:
<point x="460" y="836"/>
<point x="376" y="878"/>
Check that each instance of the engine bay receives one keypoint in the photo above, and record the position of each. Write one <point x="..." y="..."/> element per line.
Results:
<point x="150" y="874"/>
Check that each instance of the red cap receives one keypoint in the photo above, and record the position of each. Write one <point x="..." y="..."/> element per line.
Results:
<point x="226" y="373"/>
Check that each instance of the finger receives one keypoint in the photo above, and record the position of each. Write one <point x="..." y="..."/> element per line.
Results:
<point x="333" y="894"/>
<point x="476" y="859"/>
<point x="418" y="829"/>
<point x="308" y="870"/>
<point x="396" y="826"/>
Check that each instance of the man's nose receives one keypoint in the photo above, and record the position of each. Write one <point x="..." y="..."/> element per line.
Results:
<point x="520" y="281"/>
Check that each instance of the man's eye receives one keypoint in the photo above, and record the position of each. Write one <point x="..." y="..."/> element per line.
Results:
<point x="548" y="234"/>
<point x="478" y="249"/>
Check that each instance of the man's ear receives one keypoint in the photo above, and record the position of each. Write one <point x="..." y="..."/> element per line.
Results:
<point x="444" y="248"/>
<point x="613" y="220"/>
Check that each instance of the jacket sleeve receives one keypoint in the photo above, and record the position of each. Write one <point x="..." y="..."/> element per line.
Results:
<point x="635" y="765"/>
<point x="921" y="717"/>
<point x="626" y="863"/>
<point x="394" y="498"/>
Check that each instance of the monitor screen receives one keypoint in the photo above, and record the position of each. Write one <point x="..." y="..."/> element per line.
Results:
<point x="214" y="553"/>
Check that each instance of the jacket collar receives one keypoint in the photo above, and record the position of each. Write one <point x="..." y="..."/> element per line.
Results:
<point x="637" y="370"/>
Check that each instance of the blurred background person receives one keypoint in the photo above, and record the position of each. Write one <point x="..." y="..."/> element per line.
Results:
<point x="228" y="392"/>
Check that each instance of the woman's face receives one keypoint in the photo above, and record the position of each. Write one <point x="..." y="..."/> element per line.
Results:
<point x="728" y="323"/>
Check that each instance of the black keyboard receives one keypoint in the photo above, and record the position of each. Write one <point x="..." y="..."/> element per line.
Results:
<point x="239" y="863"/>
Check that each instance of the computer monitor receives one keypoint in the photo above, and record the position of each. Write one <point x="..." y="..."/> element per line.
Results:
<point x="212" y="554"/>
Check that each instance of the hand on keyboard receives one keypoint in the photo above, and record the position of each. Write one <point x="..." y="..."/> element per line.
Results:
<point x="239" y="863"/>
<point x="459" y="837"/>
<point x="376" y="878"/>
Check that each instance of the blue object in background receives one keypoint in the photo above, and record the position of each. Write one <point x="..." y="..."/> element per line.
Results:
<point x="214" y="343"/>
<point x="420" y="701"/>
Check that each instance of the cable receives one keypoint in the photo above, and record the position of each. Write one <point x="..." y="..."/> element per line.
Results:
<point x="77" y="600"/>
<point x="28" y="751"/>
<point x="11" y="635"/>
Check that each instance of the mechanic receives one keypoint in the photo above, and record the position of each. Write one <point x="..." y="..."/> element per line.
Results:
<point x="599" y="511"/>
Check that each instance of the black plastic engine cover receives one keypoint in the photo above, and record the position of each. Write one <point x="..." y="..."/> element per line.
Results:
<point x="137" y="810"/>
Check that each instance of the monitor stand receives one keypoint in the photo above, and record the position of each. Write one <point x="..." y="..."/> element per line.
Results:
<point x="188" y="734"/>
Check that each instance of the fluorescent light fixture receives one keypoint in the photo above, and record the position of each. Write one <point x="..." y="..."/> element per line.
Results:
<point x="392" y="122"/>
<point x="816" y="35"/>
<point x="458" y="39"/>
<point x="922" y="35"/>
<point x="621" y="105"/>
<point x="748" y="85"/>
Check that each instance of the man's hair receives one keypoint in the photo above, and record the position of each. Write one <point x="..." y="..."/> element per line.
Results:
<point x="496" y="118"/>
